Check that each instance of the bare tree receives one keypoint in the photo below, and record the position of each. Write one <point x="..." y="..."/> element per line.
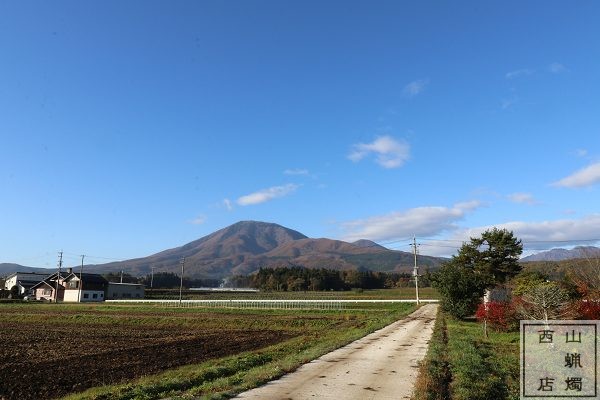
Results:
<point x="545" y="301"/>
<point x="586" y="275"/>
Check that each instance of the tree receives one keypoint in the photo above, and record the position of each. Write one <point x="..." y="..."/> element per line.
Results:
<point x="460" y="288"/>
<point x="545" y="301"/>
<point x="495" y="255"/>
<point x="482" y="263"/>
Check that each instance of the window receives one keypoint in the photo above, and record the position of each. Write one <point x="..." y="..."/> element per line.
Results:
<point x="86" y="296"/>
<point x="95" y="295"/>
<point x="101" y="295"/>
<point x="47" y="292"/>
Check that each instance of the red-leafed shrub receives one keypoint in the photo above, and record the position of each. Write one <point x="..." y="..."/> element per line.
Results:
<point x="589" y="309"/>
<point x="500" y="316"/>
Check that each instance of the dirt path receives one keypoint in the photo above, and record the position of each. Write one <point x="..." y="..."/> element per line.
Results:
<point x="382" y="365"/>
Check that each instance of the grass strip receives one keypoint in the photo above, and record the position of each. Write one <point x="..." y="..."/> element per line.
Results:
<point x="225" y="377"/>
<point x="481" y="369"/>
<point x="434" y="373"/>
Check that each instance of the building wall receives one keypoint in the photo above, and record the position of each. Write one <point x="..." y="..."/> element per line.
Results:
<point x="44" y="294"/>
<point x="116" y="291"/>
<point x="9" y="283"/>
<point x="72" y="295"/>
<point x="40" y="293"/>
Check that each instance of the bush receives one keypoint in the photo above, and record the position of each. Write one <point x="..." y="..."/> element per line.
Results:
<point x="589" y="309"/>
<point x="500" y="316"/>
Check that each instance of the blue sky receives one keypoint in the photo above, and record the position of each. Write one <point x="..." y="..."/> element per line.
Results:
<point x="129" y="127"/>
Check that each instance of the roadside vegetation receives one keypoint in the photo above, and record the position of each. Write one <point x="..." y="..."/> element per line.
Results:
<point x="236" y="349"/>
<point x="474" y="351"/>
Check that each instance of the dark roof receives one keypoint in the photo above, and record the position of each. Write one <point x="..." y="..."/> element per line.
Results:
<point x="44" y="282"/>
<point x="88" y="278"/>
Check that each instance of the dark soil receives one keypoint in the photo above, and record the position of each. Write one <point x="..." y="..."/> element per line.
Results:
<point x="46" y="360"/>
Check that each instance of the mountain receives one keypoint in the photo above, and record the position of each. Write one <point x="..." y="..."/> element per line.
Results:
<point x="9" y="268"/>
<point x="564" y="254"/>
<point x="367" y="243"/>
<point x="246" y="246"/>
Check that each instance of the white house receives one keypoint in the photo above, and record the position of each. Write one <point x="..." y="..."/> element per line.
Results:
<point x="84" y="288"/>
<point x="23" y="280"/>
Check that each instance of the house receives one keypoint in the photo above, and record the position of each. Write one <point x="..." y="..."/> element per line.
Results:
<point x="117" y="291"/>
<point x="84" y="287"/>
<point x="46" y="288"/>
<point x="23" y="280"/>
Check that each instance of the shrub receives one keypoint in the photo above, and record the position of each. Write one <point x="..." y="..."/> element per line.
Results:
<point x="500" y="316"/>
<point x="589" y="309"/>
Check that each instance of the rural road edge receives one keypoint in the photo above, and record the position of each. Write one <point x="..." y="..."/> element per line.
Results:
<point x="380" y="366"/>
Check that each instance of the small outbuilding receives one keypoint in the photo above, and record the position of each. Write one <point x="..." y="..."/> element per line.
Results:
<point x="119" y="291"/>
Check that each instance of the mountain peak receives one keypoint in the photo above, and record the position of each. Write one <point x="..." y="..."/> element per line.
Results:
<point x="364" y="243"/>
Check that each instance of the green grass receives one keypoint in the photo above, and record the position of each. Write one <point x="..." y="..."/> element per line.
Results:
<point x="314" y="333"/>
<point x="479" y="368"/>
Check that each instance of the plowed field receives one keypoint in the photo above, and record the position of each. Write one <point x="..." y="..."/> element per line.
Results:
<point x="47" y="358"/>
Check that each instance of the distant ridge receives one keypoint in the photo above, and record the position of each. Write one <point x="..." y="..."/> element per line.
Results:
<point x="246" y="246"/>
<point x="10" y="268"/>
<point x="564" y="254"/>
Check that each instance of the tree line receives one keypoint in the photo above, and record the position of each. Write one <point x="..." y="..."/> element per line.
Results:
<point x="317" y="279"/>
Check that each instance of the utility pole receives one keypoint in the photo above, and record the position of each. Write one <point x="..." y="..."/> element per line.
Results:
<point x="60" y="254"/>
<point x="121" y="276"/>
<point x="416" y="270"/>
<point x="80" y="278"/>
<point x="182" y="262"/>
<point x="151" y="277"/>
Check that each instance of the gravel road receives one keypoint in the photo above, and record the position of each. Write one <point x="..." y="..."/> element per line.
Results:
<point x="380" y="366"/>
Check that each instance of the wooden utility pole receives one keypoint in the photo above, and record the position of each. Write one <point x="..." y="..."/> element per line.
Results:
<point x="151" y="277"/>
<point x="182" y="262"/>
<point x="80" y="278"/>
<point x="60" y="254"/>
<point x="416" y="270"/>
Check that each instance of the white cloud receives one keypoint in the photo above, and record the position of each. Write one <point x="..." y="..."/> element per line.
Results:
<point x="391" y="153"/>
<point x="519" y="73"/>
<point x="264" y="195"/>
<point x="415" y="87"/>
<point x="199" y="220"/>
<point x="525" y="198"/>
<point x="296" y="171"/>
<point x="420" y="221"/>
<point x="228" y="205"/>
<point x="587" y="176"/>
<point x="557" y="68"/>
<point x="545" y="234"/>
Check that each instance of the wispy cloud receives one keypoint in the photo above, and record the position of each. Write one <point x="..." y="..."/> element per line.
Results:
<point x="268" y="194"/>
<point x="390" y="153"/>
<point x="581" y="152"/>
<point x="420" y="221"/>
<point x="296" y="171"/>
<point x="519" y="73"/>
<point x="557" y="68"/>
<point x="228" y="205"/>
<point x="199" y="220"/>
<point x="524" y="198"/>
<point x="587" y="176"/>
<point x="415" y="87"/>
<point x="508" y="103"/>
